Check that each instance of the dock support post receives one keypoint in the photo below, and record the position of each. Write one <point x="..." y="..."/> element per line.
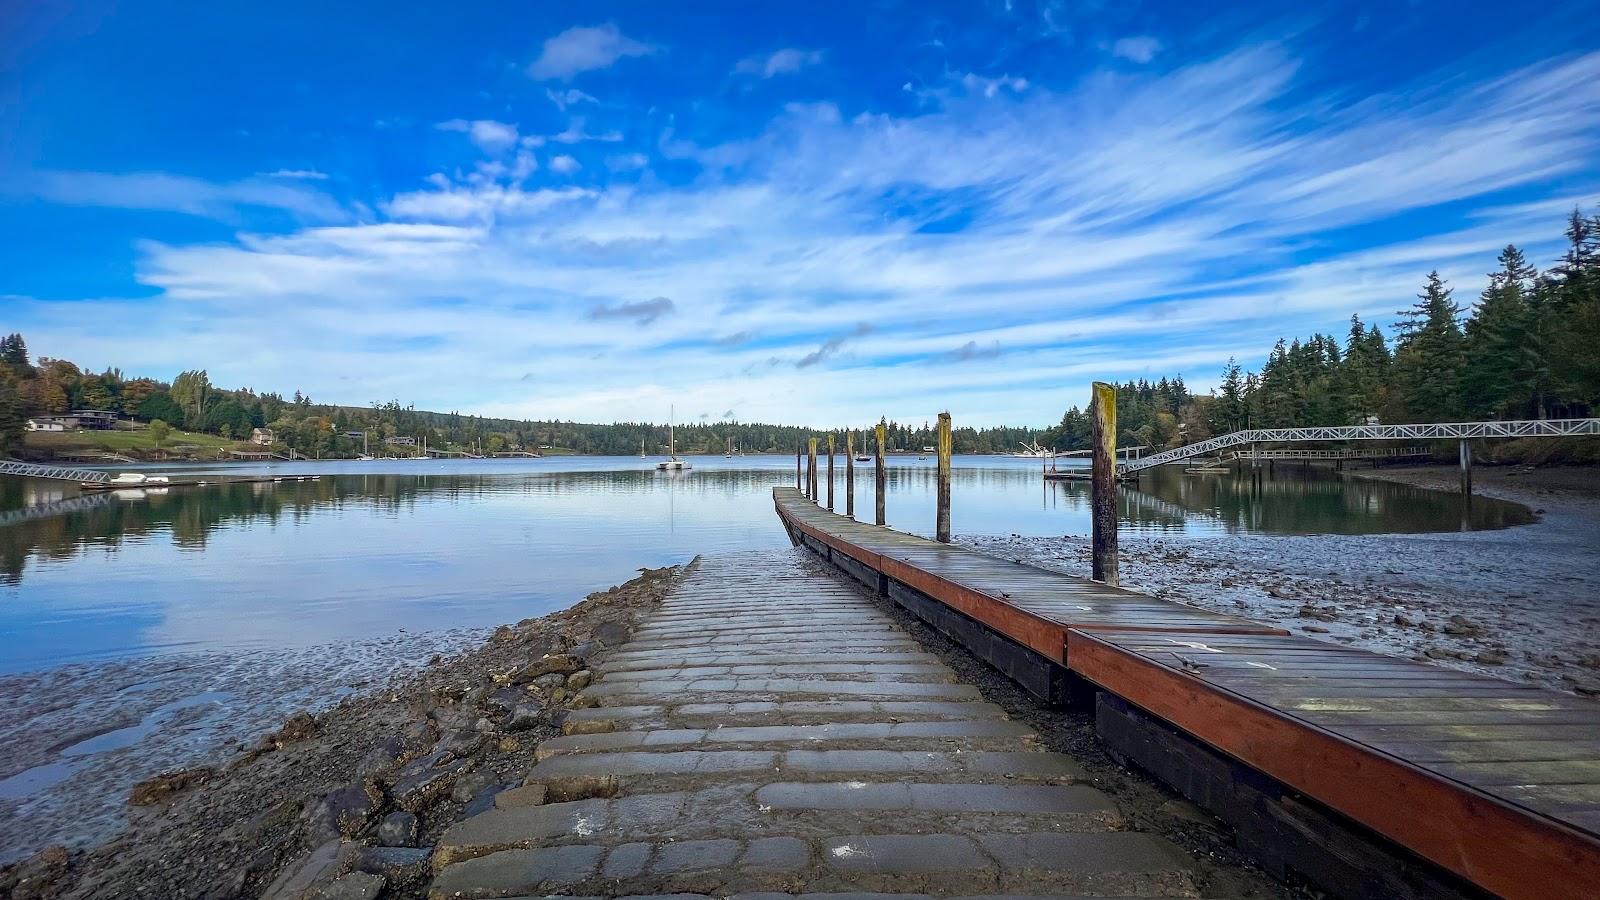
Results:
<point x="830" y="471"/>
<point x="941" y="530"/>
<point x="799" y="479"/>
<point x="811" y="468"/>
<point x="850" y="473"/>
<point x="1466" y="468"/>
<point x="1103" y="483"/>
<point x="880" y="475"/>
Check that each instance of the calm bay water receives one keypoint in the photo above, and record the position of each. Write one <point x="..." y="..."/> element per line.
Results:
<point x="372" y="548"/>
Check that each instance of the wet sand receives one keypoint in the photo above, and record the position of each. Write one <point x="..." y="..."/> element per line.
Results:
<point x="252" y="815"/>
<point x="1520" y="603"/>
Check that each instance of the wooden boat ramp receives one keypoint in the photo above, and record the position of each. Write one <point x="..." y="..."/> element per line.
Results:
<point x="1364" y="774"/>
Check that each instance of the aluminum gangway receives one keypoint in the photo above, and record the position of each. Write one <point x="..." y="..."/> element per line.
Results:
<point x="59" y="473"/>
<point x="1417" y="432"/>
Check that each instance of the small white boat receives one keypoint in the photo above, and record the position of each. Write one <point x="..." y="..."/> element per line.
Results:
<point x="672" y="463"/>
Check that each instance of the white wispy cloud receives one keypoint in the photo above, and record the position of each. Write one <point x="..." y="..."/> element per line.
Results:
<point x="223" y="201"/>
<point x="584" y="49"/>
<point x="487" y="134"/>
<point x="1140" y="48"/>
<point x="787" y="61"/>
<point x="568" y="98"/>
<point x="301" y="174"/>
<point x="992" y="252"/>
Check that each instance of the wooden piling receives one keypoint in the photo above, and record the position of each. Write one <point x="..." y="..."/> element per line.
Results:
<point x="1103" y="482"/>
<point x="880" y="475"/>
<point x="941" y="529"/>
<point x="811" y="468"/>
<point x="1466" y="468"/>
<point x="830" y="471"/>
<point x="799" y="479"/>
<point x="850" y="473"/>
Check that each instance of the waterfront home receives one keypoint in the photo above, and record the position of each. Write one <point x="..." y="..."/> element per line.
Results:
<point x="97" y="419"/>
<point x="401" y="442"/>
<point x="263" y="436"/>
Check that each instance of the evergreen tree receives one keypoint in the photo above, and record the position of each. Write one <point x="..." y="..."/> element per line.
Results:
<point x="14" y="355"/>
<point x="1429" y="357"/>
<point x="12" y="420"/>
<point x="1499" y="361"/>
<point x="1570" y="317"/>
<point x="1229" y="413"/>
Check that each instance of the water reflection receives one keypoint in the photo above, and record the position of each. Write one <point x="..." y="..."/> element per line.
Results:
<point x="367" y="549"/>
<point x="1309" y="500"/>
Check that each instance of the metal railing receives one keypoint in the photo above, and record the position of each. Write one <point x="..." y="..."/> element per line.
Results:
<point x="1418" y="432"/>
<point x="1338" y="453"/>
<point x="60" y="473"/>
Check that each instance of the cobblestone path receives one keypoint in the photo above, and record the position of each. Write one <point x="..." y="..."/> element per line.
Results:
<point x="770" y="732"/>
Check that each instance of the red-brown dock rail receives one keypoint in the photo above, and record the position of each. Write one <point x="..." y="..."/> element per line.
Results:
<point x="1494" y="782"/>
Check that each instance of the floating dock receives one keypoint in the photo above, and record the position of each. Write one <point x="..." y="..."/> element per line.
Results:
<point x="101" y="486"/>
<point x="1336" y="764"/>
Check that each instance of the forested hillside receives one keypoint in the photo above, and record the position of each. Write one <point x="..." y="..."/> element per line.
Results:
<point x="191" y="402"/>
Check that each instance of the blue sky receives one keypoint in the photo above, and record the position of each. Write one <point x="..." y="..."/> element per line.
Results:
<point x="592" y="211"/>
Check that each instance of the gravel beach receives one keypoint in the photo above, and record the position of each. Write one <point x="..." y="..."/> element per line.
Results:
<point x="1519" y="603"/>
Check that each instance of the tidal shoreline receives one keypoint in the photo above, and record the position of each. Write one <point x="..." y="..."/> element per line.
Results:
<point x="390" y="765"/>
<point x="1520" y="603"/>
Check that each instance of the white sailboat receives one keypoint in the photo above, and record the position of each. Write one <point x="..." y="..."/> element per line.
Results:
<point x="1032" y="451"/>
<point x="672" y="463"/>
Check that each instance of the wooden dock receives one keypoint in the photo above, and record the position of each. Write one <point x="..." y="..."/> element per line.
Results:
<point x="1496" y="784"/>
<point x="771" y="732"/>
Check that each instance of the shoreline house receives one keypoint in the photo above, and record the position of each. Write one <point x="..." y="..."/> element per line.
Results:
<point x="401" y="442"/>
<point x="90" y="419"/>
<point x="262" y="436"/>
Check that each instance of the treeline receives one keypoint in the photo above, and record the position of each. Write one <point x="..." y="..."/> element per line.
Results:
<point x="191" y="402"/>
<point x="1528" y="348"/>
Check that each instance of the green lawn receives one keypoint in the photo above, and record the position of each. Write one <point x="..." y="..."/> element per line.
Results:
<point x="121" y="441"/>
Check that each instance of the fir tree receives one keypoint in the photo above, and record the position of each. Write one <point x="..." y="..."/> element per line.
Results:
<point x="1499" y="359"/>
<point x="1228" y="412"/>
<point x="1429" y="358"/>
